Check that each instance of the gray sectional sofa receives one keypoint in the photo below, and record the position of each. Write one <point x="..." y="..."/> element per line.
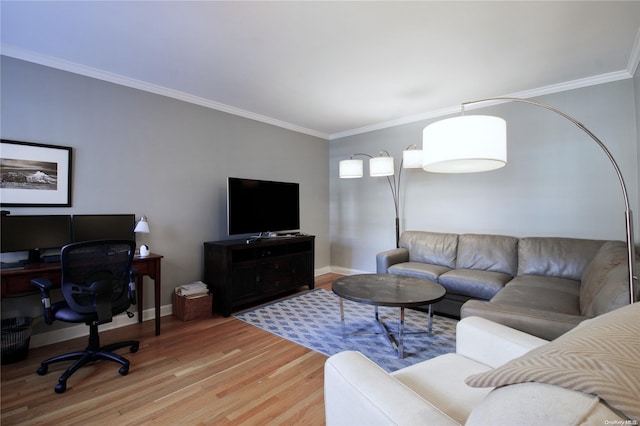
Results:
<point x="543" y="286"/>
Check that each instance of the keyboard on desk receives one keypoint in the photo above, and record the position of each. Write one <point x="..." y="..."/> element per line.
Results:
<point x="8" y="266"/>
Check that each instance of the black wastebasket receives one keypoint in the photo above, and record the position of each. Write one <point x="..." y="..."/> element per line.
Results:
<point x="16" y="333"/>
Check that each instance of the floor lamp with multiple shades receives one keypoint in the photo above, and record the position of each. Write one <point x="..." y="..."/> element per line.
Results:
<point x="478" y="142"/>
<point x="383" y="165"/>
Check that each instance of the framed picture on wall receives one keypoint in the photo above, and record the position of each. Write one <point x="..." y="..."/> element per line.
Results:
<point x="34" y="175"/>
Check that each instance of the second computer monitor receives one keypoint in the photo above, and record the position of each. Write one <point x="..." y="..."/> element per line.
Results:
<point x="87" y="227"/>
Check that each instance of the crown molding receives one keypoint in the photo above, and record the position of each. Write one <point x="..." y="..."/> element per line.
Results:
<point x="546" y="90"/>
<point x="110" y="77"/>
<point x="75" y="68"/>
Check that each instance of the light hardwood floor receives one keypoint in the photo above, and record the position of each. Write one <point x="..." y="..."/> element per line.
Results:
<point x="203" y="372"/>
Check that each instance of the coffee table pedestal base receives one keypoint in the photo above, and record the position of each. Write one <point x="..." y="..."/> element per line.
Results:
<point x="397" y="344"/>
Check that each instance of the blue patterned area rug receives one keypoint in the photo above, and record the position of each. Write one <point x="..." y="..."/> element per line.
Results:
<point x="312" y="319"/>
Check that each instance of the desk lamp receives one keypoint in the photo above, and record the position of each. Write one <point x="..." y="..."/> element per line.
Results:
<point x="142" y="227"/>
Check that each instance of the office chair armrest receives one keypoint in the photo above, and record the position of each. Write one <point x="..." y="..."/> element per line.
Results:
<point x="133" y="273"/>
<point x="45" y="285"/>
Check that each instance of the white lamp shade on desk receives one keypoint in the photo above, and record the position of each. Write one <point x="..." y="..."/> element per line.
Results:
<point x="142" y="226"/>
<point x="466" y="144"/>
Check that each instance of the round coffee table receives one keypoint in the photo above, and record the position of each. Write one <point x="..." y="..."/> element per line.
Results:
<point x="389" y="290"/>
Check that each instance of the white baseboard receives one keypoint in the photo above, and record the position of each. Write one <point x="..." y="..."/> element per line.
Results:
<point x="346" y="271"/>
<point x="81" y="330"/>
<point x="55" y="336"/>
<point x="322" y="271"/>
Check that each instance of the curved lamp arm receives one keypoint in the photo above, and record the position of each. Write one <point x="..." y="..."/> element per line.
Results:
<point x="628" y="214"/>
<point x="394" y="185"/>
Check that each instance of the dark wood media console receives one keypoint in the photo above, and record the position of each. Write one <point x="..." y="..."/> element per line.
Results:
<point x="239" y="273"/>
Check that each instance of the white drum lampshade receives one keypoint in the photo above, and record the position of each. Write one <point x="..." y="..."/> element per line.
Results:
<point x="381" y="166"/>
<point x="466" y="144"/>
<point x="412" y="159"/>
<point x="350" y="169"/>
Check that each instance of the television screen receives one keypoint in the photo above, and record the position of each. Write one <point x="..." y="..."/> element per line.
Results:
<point x="87" y="227"/>
<point x="33" y="233"/>
<point x="259" y="206"/>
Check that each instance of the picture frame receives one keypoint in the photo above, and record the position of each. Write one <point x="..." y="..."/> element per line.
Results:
<point x="34" y="174"/>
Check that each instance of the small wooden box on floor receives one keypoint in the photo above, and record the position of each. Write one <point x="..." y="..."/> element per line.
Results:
<point x="187" y="309"/>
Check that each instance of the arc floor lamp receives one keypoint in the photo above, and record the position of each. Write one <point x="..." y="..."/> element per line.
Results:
<point x="478" y="143"/>
<point x="383" y="165"/>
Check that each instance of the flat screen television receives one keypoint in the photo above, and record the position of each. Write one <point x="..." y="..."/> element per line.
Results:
<point x="87" y="227"/>
<point x="34" y="233"/>
<point x="260" y="206"/>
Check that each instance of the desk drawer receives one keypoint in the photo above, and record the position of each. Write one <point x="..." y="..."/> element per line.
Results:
<point x="17" y="284"/>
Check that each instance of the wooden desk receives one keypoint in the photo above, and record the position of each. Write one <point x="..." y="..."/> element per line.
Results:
<point x="18" y="281"/>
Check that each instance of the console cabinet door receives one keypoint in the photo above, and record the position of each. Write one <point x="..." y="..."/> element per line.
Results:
<point x="302" y="270"/>
<point x="244" y="282"/>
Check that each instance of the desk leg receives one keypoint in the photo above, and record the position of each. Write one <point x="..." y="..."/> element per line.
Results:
<point x="139" y="290"/>
<point x="155" y="276"/>
<point x="157" y="286"/>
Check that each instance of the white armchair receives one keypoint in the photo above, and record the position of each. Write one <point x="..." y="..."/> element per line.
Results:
<point x="434" y="392"/>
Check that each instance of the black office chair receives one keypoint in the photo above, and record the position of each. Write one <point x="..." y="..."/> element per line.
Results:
<point x="97" y="283"/>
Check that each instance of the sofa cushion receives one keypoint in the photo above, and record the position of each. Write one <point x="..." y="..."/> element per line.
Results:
<point x="430" y="247"/>
<point x="599" y="359"/>
<point x="440" y="381"/>
<point x="358" y="391"/>
<point x="419" y="270"/>
<point x="474" y="283"/>
<point x="544" y="293"/>
<point x="605" y="281"/>
<point x="556" y="257"/>
<point x="545" y="405"/>
<point x="496" y="253"/>
<point x="547" y="325"/>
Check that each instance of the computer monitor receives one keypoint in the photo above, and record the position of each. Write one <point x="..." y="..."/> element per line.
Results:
<point x="87" y="227"/>
<point x="34" y="233"/>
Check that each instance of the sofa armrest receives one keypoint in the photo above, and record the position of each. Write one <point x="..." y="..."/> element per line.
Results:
<point x="357" y="391"/>
<point x="390" y="257"/>
<point x="491" y="343"/>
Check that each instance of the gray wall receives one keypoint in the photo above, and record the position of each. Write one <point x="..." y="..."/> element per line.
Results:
<point x="557" y="181"/>
<point x="136" y="152"/>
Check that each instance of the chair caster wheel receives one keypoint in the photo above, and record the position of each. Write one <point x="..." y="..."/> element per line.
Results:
<point x="61" y="387"/>
<point x="134" y="348"/>
<point x="124" y="370"/>
<point x="42" y="370"/>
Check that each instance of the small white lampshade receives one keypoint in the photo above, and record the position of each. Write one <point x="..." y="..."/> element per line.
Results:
<point x="351" y="169"/>
<point x="412" y="159"/>
<point x="142" y="226"/>
<point x="467" y="144"/>
<point x="381" y="166"/>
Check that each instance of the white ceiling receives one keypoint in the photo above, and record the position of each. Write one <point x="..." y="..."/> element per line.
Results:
<point x="334" y="68"/>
